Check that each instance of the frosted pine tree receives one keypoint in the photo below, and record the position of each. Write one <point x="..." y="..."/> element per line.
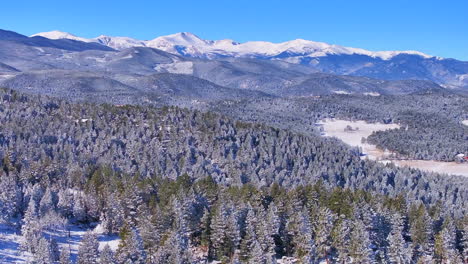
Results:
<point x="359" y="244"/>
<point x="257" y="256"/>
<point x="220" y="243"/>
<point x="398" y="250"/>
<point x="464" y="241"/>
<point x="112" y="219"/>
<point x="421" y="232"/>
<point x="106" y="256"/>
<point x="322" y="231"/>
<point x="340" y="241"/>
<point x="250" y="237"/>
<point x="65" y="203"/>
<point x="300" y="229"/>
<point x="43" y="254"/>
<point x="445" y="244"/>
<point x="31" y="229"/>
<point x="65" y="256"/>
<point x="10" y="198"/>
<point x="46" y="204"/>
<point x="79" y="208"/>
<point x="88" y="252"/>
<point x="131" y="248"/>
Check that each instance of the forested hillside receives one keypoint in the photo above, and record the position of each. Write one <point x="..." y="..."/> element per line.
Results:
<point x="431" y="124"/>
<point x="240" y="192"/>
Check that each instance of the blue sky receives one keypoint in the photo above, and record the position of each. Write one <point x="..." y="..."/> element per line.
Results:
<point x="435" y="27"/>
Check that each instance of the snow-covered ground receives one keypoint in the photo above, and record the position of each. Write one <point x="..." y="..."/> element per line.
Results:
<point x="336" y="128"/>
<point x="68" y="238"/>
<point x="181" y="67"/>
<point x="361" y="129"/>
<point x="465" y="122"/>
<point x="9" y="244"/>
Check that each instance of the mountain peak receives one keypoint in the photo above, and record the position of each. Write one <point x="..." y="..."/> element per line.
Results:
<point x="56" y="34"/>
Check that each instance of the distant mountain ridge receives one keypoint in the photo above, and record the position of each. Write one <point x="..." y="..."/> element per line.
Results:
<point x="186" y="43"/>
<point x="323" y="57"/>
<point x="71" y="66"/>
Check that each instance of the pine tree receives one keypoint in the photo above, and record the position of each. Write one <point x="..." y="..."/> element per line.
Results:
<point x="359" y="244"/>
<point x="445" y="244"/>
<point x="300" y="229"/>
<point x="205" y="229"/>
<point x="79" y="208"/>
<point x="340" y="241"/>
<point x="106" y="256"/>
<point x="131" y="248"/>
<point x="220" y="243"/>
<point x="250" y="237"/>
<point x="398" y="251"/>
<point x="112" y="218"/>
<point x="46" y="204"/>
<point x="88" y="252"/>
<point x="10" y="198"/>
<point x="464" y="240"/>
<point x="65" y="203"/>
<point x="421" y="231"/>
<point x="31" y="229"/>
<point x="322" y="230"/>
<point x="43" y="254"/>
<point x="65" y="256"/>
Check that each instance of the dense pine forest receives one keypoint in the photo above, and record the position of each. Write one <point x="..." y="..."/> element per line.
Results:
<point x="188" y="186"/>
<point x="431" y="127"/>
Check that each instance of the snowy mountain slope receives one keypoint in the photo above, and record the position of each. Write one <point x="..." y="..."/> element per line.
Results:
<point x="55" y="34"/>
<point x="186" y="43"/>
<point x="319" y="56"/>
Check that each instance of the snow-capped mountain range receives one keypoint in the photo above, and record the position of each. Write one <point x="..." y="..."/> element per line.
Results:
<point x="188" y="44"/>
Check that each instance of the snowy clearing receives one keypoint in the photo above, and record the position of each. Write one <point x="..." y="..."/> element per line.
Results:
<point x="360" y="129"/>
<point x="182" y="67"/>
<point x="68" y="238"/>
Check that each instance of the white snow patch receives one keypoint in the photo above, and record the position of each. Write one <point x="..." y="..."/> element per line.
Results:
<point x="182" y="67"/>
<point x="9" y="245"/>
<point x="465" y="122"/>
<point x="341" y="92"/>
<point x="39" y="49"/>
<point x="372" y="94"/>
<point x="67" y="238"/>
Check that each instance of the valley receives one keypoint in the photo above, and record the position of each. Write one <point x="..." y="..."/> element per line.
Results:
<point x="352" y="133"/>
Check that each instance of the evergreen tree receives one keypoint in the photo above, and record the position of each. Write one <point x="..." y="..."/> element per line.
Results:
<point x="43" y="254"/>
<point x="322" y="231"/>
<point x="88" y="252"/>
<point x="30" y="229"/>
<point x="341" y="240"/>
<point x="398" y="251"/>
<point x="106" y="256"/>
<point x="250" y="237"/>
<point x="65" y="256"/>
<point x="10" y="198"/>
<point x="131" y="248"/>
<point x="46" y="204"/>
<point x="359" y="243"/>
<point x="445" y="244"/>
<point x="421" y="231"/>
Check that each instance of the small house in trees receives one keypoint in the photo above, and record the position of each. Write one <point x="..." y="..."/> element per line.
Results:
<point x="461" y="158"/>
